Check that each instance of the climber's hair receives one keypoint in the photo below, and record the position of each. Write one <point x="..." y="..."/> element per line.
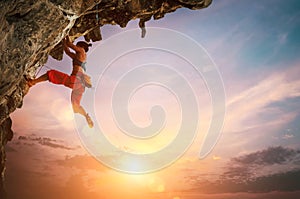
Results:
<point x="84" y="45"/>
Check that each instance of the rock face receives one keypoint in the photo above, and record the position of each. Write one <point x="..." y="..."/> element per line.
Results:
<point x="32" y="30"/>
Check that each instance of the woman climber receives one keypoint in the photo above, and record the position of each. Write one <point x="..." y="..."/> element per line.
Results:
<point x="77" y="81"/>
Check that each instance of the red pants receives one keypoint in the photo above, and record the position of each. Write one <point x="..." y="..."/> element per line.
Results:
<point x="72" y="81"/>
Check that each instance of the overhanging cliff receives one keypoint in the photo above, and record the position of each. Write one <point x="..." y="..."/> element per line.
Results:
<point x="32" y="30"/>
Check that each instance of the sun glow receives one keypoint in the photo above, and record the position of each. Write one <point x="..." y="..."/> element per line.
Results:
<point x="216" y="157"/>
<point x="156" y="184"/>
<point x="60" y="109"/>
<point x="130" y="185"/>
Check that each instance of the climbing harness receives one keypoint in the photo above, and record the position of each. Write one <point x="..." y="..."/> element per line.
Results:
<point x="81" y="64"/>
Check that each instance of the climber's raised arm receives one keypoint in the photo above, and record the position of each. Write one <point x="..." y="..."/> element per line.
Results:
<point x="67" y="50"/>
<point x="69" y="44"/>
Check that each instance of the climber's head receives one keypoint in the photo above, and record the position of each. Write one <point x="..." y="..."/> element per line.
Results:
<point x="84" y="45"/>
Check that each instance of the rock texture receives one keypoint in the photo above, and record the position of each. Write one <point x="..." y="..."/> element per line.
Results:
<point x="31" y="30"/>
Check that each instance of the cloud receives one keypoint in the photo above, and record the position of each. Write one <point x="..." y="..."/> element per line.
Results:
<point x="285" y="181"/>
<point x="252" y="108"/>
<point x="84" y="162"/>
<point x="269" y="195"/>
<point x="282" y="38"/>
<point x="272" y="169"/>
<point x="253" y="165"/>
<point x="269" y="156"/>
<point x="45" y="141"/>
<point x="35" y="185"/>
<point x="260" y="112"/>
<point x="288" y="136"/>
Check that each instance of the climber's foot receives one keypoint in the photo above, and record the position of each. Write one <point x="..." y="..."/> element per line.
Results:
<point x="30" y="82"/>
<point x="89" y="121"/>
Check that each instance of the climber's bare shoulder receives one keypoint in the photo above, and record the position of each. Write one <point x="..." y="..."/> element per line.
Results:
<point x="81" y="56"/>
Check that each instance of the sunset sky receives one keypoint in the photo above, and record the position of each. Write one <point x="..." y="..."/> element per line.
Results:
<point x="255" y="47"/>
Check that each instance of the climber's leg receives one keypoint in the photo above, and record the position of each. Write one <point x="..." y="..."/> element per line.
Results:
<point x="54" y="77"/>
<point x="42" y="78"/>
<point x="57" y="77"/>
<point x="77" y="108"/>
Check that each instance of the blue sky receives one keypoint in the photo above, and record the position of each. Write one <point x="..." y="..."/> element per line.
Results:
<point x="255" y="46"/>
<point x="261" y="34"/>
